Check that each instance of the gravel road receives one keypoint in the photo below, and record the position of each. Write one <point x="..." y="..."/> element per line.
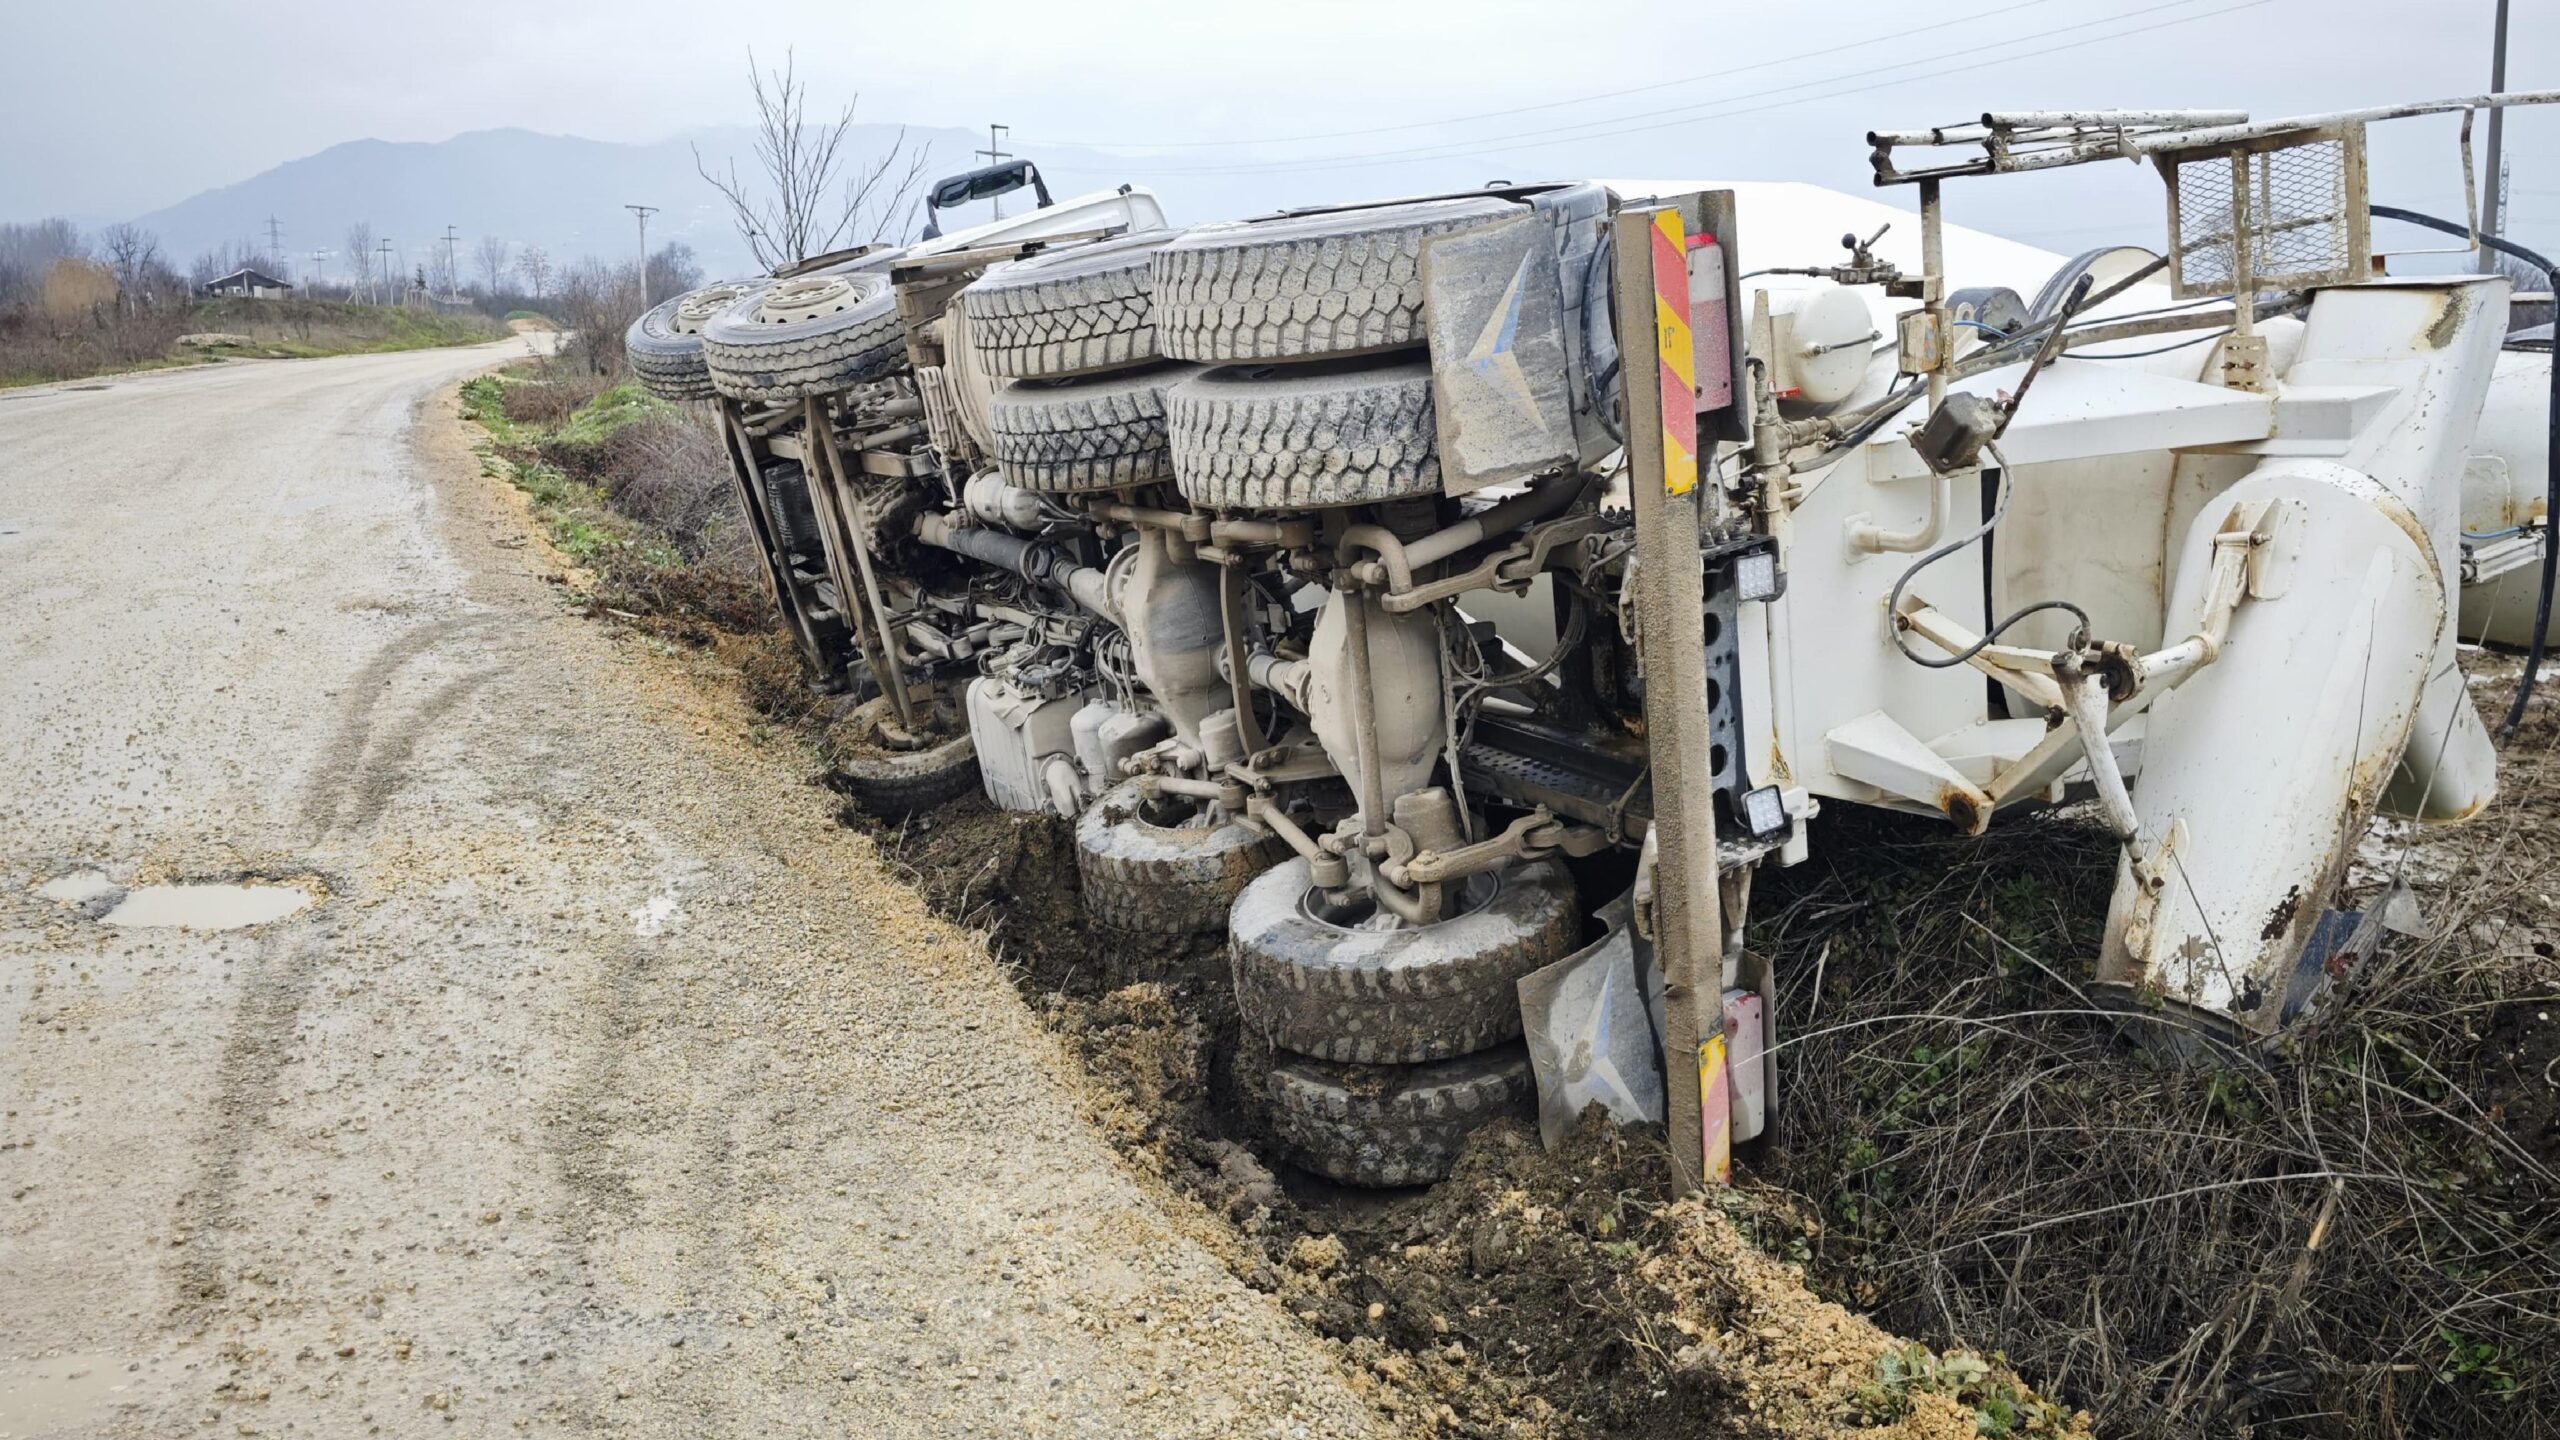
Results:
<point x="603" y="1086"/>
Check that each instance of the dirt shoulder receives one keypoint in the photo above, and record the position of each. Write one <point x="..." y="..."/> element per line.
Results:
<point x="901" y="1150"/>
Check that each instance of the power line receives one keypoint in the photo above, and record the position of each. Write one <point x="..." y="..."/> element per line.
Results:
<point x="1704" y="110"/>
<point x="1596" y="96"/>
<point x="1717" y="109"/>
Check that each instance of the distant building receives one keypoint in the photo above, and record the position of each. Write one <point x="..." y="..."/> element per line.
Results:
<point x="254" y="284"/>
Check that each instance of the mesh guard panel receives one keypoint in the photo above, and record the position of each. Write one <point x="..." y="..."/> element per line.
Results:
<point x="2302" y="214"/>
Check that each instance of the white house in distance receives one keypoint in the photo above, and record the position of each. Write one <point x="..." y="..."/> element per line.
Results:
<point x="254" y="284"/>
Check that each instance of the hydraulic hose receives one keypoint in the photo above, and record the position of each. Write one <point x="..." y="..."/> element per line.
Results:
<point x="2550" y="463"/>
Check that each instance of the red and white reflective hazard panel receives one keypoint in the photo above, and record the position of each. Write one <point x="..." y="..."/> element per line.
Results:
<point x="1679" y="360"/>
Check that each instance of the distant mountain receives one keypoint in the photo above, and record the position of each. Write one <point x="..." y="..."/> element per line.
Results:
<point x="559" y="192"/>
<point x="566" y="194"/>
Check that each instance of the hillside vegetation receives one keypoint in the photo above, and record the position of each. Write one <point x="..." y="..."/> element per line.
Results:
<point x="37" y="347"/>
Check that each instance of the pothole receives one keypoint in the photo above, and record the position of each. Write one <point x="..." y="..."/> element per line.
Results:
<point x="79" y="887"/>
<point x="207" y="906"/>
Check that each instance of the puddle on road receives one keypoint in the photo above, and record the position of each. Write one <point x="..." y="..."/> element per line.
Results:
<point x="206" y="906"/>
<point x="79" y="887"/>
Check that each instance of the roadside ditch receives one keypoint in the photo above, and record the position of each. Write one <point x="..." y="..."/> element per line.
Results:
<point x="2345" y="1238"/>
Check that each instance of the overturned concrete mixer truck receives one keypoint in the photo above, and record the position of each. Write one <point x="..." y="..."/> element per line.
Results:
<point x="1452" y="601"/>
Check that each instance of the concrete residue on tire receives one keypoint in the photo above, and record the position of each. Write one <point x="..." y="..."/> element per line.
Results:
<point x="1074" y="311"/>
<point x="1329" y="987"/>
<point x="1101" y="432"/>
<point x="1287" y="437"/>
<point x="1385" y="1125"/>
<point x="1302" y="287"/>
<point x="809" y="335"/>
<point x="893" y="773"/>
<point x="1163" y="867"/>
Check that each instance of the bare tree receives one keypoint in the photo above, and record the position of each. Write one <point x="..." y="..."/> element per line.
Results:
<point x="133" y="253"/>
<point x="673" y="270"/>
<point x="491" y="256"/>
<point x="596" y="303"/>
<point x="360" y="259"/>
<point x="28" y="250"/>
<point x="535" y="267"/>
<point x="808" y="198"/>
<point x="440" y="277"/>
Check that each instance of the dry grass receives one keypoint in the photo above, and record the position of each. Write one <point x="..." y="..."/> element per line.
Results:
<point x="2358" y="1236"/>
<point x="633" y="489"/>
<point x="35" y="350"/>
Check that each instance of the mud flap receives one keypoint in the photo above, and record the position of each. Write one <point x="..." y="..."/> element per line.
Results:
<point x="2262" y="770"/>
<point x="1594" y="1025"/>
<point x="1493" y="307"/>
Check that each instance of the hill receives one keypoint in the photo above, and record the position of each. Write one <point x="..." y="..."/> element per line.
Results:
<point x="566" y="194"/>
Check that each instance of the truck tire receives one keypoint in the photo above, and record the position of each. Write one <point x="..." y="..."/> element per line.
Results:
<point x="1103" y="432"/>
<point x="1302" y="287"/>
<point x="1077" y="311"/>
<point x="1160" y="868"/>
<point x="1383" y="1125"/>
<point x="895" y="784"/>
<point x="1298" y="437"/>
<point x="665" y="344"/>
<point x="812" y="335"/>
<point x="1331" y="988"/>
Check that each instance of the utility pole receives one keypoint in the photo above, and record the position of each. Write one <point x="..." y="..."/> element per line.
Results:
<point x="275" y="244"/>
<point x="644" y="212"/>
<point x="390" y="280"/>
<point x="995" y="154"/>
<point x="452" y="264"/>
<point x="2493" y="206"/>
<point x="319" y="266"/>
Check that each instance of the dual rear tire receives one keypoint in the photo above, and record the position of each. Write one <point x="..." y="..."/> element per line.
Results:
<point x="1396" y="1044"/>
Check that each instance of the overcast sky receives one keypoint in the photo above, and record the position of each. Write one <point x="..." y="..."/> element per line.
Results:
<point x="120" y="106"/>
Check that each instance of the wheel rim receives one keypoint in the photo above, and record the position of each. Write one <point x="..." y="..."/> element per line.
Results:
<point x="812" y="297"/>
<point x="1365" y="914"/>
<point x="695" y="310"/>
